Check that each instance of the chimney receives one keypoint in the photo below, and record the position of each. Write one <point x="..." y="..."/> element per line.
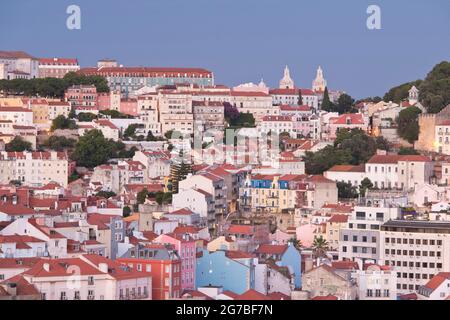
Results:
<point x="308" y="264"/>
<point x="11" y="288"/>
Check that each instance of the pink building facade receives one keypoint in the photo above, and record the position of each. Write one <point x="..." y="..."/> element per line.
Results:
<point x="129" y="106"/>
<point x="186" y="247"/>
<point x="82" y="98"/>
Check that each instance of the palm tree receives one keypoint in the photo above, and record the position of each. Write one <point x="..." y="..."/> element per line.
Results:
<point x="320" y="246"/>
<point x="297" y="243"/>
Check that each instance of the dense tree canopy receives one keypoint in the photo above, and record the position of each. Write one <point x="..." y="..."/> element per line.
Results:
<point x="51" y="87"/>
<point x="400" y="92"/>
<point x="130" y="131"/>
<point x="86" y="116"/>
<point x="106" y="194"/>
<point x="408" y="125"/>
<point x="59" y="143"/>
<point x="61" y="122"/>
<point x="18" y="145"/>
<point x="346" y="190"/>
<point x="434" y="89"/>
<point x="365" y="185"/>
<point x="94" y="149"/>
<point x="408" y="151"/>
<point x="327" y="105"/>
<point x="114" y="114"/>
<point x="350" y="147"/>
<point x="343" y="105"/>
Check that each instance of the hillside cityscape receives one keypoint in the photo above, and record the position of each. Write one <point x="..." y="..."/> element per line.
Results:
<point x="120" y="182"/>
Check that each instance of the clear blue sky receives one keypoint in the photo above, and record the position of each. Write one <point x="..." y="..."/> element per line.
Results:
<point x="243" y="40"/>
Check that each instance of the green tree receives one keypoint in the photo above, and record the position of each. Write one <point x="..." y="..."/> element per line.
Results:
<point x="346" y="190"/>
<point x="327" y="105"/>
<point x="365" y="185"/>
<point x="179" y="171"/>
<point x="114" y="114"/>
<point x="86" y="116"/>
<point x="61" y="122"/>
<point x="130" y="131"/>
<point x="408" y="151"/>
<point x="399" y="93"/>
<point x="105" y="194"/>
<point x="300" y="98"/>
<point x="350" y="147"/>
<point x="382" y="143"/>
<point x="59" y="143"/>
<point x="126" y="211"/>
<point x="18" y="145"/>
<point x="345" y="104"/>
<point x="408" y="125"/>
<point x="74" y="176"/>
<point x="93" y="149"/>
<point x="142" y="196"/>
<point x="435" y="89"/>
<point x="320" y="247"/>
<point x="163" y="197"/>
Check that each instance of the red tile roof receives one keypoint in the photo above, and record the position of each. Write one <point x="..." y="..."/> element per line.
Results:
<point x="12" y="263"/>
<point x="347" y="168"/>
<point x="271" y="249"/>
<point x="183" y="212"/>
<point x="240" y="229"/>
<point x="15" y="210"/>
<point x="328" y="297"/>
<point x="58" y="61"/>
<point x="235" y="254"/>
<point x="338" y="218"/>
<point x="345" y="265"/>
<point x="252" y="295"/>
<point x="278" y="296"/>
<point x="437" y="280"/>
<point x="349" y="118"/>
<point x="397" y="158"/>
<point x="23" y="287"/>
<point x="60" y="267"/>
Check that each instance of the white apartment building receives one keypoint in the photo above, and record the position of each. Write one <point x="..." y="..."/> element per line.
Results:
<point x="360" y="239"/>
<point x="276" y="124"/>
<point x="34" y="168"/>
<point x="346" y="173"/>
<point x="58" y="108"/>
<point x="18" y="64"/>
<point x="285" y="96"/>
<point x="196" y="200"/>
<point x="156" y="162"/>
<point x="257" y="103"/>
<point x="114" y="177"/>
<point x="387" y="172"/>
<point x="418" y="250"/>
<point x="442" y="134"/>
<point x="18" y="115"/>
<point x="376" y="283"/>
<point x="175" y="111"/>
<point x="148" y="109"/>
<point x="399" y="172"/>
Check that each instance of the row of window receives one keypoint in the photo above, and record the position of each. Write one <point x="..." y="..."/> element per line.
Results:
<point x="424" y="242"/>
<point x="411" y="264"/>
<point x="416" y="253"/>
<point x="370" y="293"/>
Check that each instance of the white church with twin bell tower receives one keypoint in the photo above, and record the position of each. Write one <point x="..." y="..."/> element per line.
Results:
<point x="319" y="83"/>
<point x="286" y="82"/>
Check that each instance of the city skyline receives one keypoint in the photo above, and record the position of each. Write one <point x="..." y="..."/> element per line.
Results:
<point x="240" y="46"/>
